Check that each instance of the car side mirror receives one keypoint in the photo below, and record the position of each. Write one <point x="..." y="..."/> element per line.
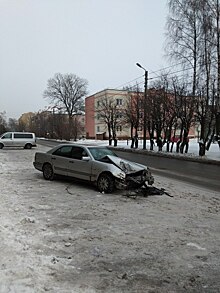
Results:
<point x="86" y="159"/>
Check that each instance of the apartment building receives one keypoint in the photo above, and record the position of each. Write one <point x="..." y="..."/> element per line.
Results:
<point x="95" y="124"/>
<point x="94" y="121"/>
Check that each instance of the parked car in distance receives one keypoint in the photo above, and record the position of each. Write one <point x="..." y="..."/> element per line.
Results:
<point x="26" y="140"/>
<point x="96" y="164"/>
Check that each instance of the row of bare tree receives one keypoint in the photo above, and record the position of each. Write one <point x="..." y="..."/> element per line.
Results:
<point x="167" y="111"/>
<point x="193" y="39"/>
<point x="171" y="108"/>
<point x="11" y="124"/>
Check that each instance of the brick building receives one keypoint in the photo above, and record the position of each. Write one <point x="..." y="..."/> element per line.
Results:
<point x="96" y="128"/>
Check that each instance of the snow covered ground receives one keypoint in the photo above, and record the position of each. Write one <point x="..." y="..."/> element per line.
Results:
<point x="63" y="236"/>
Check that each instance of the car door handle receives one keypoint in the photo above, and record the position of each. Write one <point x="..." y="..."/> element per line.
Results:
<point x="53" y="158"/>
<point x="71" y="162"/>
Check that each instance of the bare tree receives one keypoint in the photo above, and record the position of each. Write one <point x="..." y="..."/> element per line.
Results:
<point x="13" y="124"/>
<point x="133" y="112"/>
<point x="206" y="116"/>
<point x="183" y="35"/>
<point x="3" y="122"/>
<point x="210" y="15"/>
<point x="25" y="122"/>
<point x="77" y="127"/>
<point x="158" y="112"/>
<point x="184" y="110"/>
<point x="109" y="113"/>
<point x="67" y="92"/>
<point x="193" y="31"/>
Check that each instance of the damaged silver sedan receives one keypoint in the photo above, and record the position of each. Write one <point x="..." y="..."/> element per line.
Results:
<point x="96" y="164"/>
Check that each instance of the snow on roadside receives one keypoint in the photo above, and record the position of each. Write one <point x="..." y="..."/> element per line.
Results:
<point x="212" y="154"/>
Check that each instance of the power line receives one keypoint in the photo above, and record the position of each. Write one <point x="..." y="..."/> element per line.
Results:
<point x="154" y="72"/>
<point x="162" y="69"/>
<point x="129" y="82"/>
<point x="158" y="76"/>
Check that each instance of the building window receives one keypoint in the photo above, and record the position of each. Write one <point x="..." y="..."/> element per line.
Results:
<point x="98" y="104"/>
<point x="119" y="102"/>
<point x="141" y="104"/>
<point x="119" y="128"/>
<point x="98" y="128"/>
<point x="118" y="115"/>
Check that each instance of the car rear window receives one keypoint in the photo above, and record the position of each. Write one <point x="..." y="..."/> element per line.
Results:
<point x="64" y="151"/>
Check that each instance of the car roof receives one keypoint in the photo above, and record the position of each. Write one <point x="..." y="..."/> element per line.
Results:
<point x="81" y="145"/>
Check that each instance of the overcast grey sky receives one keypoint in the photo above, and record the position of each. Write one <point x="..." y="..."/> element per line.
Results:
<point x="99" y="40"/>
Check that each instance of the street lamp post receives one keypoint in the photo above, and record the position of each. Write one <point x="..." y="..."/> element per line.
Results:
<point x="145" y="106"/>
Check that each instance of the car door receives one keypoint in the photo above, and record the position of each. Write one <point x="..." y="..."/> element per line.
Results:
<point x="78" y="167"/>
<point x="7" y="139"/>
<point x="60" y="160"/>
<point x="18" y="140"/>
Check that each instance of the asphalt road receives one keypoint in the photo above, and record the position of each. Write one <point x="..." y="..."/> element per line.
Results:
<point x="200" y="174"/>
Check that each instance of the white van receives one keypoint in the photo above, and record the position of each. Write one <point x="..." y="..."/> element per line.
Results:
<point x="26" y="140"/>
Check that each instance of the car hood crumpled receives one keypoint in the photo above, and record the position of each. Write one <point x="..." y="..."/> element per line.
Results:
<point x="126" y="166"/>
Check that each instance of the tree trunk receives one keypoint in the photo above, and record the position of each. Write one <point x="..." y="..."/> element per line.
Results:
<point x="201" y="149"/>
<point x="109" y="134"/>
<point x="70" y="130"/>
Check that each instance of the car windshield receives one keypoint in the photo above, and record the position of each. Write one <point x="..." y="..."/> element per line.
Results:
<point x="99" y="153"/>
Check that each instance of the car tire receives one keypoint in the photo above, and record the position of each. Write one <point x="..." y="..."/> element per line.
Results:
<point x="48" y="172"/>
<point x="105" y="183"/>
<point x="1" y="146"/>
<point x="28" y="146"/>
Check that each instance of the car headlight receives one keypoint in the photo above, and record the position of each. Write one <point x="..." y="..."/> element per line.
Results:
<point x="121" y="175"/>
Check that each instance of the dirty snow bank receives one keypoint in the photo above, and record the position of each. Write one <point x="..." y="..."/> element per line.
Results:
<point x="212" y="154"/>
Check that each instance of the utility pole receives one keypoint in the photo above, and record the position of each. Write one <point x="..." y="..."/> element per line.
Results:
<point x="144" y="106"/>
<point x="218" y="70"/>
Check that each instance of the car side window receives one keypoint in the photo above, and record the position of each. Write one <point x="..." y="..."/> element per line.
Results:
<point x="77" y="153"/>
<point x="7" y="135"/>
<point x="84" y="153"/>
<point x="64" y="151"/>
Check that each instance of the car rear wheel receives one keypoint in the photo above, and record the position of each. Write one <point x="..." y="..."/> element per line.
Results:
<point x="48" y="172"/>
<point x="106" y="183"/>
<point x="28" y="146"/>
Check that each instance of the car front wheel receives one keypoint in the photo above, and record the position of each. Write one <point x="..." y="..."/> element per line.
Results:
<point x="48" y="172"/>
<point x="105" y="183"/>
